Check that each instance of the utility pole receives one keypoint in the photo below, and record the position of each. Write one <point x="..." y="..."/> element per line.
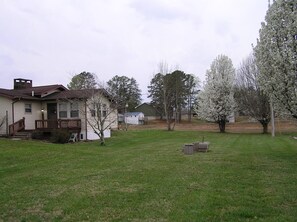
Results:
<point x="125" y="116"/>
<point x="272" y="119"/>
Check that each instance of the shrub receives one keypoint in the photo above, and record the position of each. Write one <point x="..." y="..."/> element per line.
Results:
<point x="37" y="135"/>
<point x="60" y="136"/>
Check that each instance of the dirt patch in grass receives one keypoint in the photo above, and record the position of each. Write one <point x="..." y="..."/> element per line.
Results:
<point x="281" y="126"/>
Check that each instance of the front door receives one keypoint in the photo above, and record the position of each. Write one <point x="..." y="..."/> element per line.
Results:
<point x="52" y="115"/>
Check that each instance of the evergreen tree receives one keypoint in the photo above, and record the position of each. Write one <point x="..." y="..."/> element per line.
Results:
<point x="155" y="90"/>
<point x="125" y="91"/>
<point x="171" y="92"/>
<point x="84" y="80"/>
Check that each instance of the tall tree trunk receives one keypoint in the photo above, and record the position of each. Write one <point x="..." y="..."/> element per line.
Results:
<point x="168" y="121"/>
<point x="222" y="125"/>
<point x="102" y="139"/>
<point x="168" y="125"/>
<point x="265" y="128"/>
<point x="264" y="122"/>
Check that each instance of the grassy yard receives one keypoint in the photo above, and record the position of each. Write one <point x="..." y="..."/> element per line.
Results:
<point x="143" y="176"/>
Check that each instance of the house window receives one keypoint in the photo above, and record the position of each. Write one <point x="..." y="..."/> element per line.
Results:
<point x="104" y="110"/>
<point x="93" y="113"/>
<point x="74" y="110"/>
<point x="63" y="110"/>
<point x="101" y="110"/>
<point x="92" y="110"/>
<point x="28" y="108"/>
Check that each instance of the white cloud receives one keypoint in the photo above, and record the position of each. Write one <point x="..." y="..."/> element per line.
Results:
<point x="50" y="40"/>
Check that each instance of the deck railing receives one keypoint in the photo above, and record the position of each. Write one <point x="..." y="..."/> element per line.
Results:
<point x="57" y="124"/>
<point x="17" y="126"/>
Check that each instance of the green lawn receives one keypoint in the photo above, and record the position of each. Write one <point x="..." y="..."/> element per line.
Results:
<point x="144" y="176"/>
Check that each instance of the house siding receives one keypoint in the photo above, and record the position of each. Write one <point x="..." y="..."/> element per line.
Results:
<point x="5" y="106"/>
<point x="19" y="113"/>
<point x="86" y="130"/>
<point x="90" y="132"/>
<point x="134" y="118"/>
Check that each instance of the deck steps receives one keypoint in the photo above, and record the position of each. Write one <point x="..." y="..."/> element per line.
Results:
<point x="22" y="135"/>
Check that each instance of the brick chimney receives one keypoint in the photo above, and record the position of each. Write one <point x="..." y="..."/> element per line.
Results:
<point x="22" y="83"/>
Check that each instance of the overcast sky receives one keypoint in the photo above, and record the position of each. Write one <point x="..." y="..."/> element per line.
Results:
<point x="49" y="41"/>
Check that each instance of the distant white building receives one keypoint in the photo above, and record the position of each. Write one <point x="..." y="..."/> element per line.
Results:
<point x="134" y="118"/>
<point x="231" y="118"/>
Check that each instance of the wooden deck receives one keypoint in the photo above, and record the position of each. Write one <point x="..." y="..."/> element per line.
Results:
<point x="48" y="125"/>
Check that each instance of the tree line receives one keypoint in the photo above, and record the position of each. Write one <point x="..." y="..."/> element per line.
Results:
<point x="124" y="91"/>
<point x="265" y="81"/>
<point x="171" y="92"/>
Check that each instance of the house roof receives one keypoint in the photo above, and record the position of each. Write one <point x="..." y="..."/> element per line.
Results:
<point x="143" y="104"/>
<point x="51" y="92"/>
<point x="147" y="109"/>
<point x="77" y="94"/>
<point x="69" y="94"/>
<point x="14" y="94"/>
<point x="32" y="93"/>
<point x="42" y="90"/>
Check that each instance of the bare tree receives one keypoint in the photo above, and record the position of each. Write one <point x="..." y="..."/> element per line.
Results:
<point x="101" y="112"/>
<point x="169" y="102"/>
<point x="174" y="95"/>
<point x="97" y="110"/>
<point x="250" y="99"/>
<point x="168" y="99"/>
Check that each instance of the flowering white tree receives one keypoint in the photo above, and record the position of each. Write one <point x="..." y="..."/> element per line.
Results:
<point x="216" y="101"/>
<point x="276" y="54"/>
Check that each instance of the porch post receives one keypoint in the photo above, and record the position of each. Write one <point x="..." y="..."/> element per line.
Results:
<point x="42" y="117"/>
<point x="7" y="125"/>
<point x="12" y="117"/>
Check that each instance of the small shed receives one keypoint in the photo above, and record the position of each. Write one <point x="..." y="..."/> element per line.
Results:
<point x="148" y="110"/>
<point x="134" y="118"/>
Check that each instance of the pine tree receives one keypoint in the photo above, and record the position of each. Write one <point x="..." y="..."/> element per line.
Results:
<point x="125" y="91"/>
<point x="84" y="80"/>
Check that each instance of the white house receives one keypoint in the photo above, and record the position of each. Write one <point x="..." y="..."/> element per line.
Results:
<point x="50" y="107"/>
<point x="134" y="118"/>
